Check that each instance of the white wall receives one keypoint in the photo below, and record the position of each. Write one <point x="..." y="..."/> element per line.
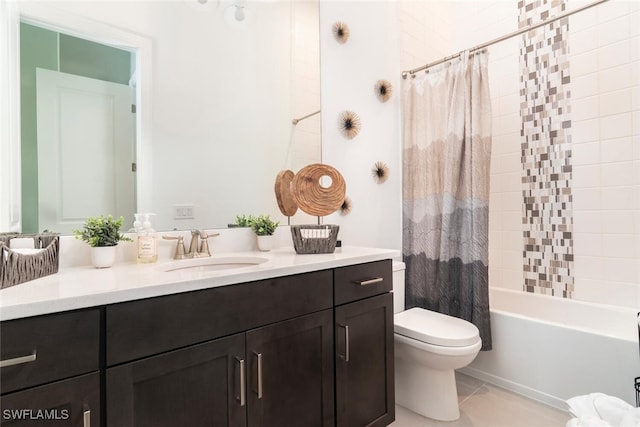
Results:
<point x="424" y="32"/>
<point x="604" y="67"/>
<point x="349" y="72"/>
<point x="605" y="70"/>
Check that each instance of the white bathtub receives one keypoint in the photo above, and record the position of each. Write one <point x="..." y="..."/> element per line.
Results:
<point x="551" y="349"/>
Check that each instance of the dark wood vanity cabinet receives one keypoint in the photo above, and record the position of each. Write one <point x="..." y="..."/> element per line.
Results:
<point x="283" y="377"/>
<point x="273" y="366"/>
<point x="312" y="349"/>
<point x="49" y="370"/>
<point x="364" y="345"/>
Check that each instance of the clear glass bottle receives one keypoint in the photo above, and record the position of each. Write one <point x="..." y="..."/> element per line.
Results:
<point x="147" y="241"/>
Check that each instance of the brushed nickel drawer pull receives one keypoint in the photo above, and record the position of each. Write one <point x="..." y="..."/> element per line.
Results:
<point x="86" y="418"/>
<point x="18" y="360"/>
<point x="346" y="342"/>
<point x="370" y="281"/>
<point x="259" y="374"/>
<point x="243" y="391"/>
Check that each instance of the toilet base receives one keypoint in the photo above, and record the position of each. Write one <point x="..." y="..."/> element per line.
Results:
<point x="429" y="392"/>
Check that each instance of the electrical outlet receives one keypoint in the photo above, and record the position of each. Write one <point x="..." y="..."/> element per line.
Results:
<point x="183" y="212"/>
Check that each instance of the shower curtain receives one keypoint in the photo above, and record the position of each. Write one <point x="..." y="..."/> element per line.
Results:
<point x="447" y="153"/>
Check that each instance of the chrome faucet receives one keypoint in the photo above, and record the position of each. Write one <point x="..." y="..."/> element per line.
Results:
<point x="180" y="252"/>
<point x="198" y="248"/>
<point x="193" y="246"/>
<point x="204" y="244"/>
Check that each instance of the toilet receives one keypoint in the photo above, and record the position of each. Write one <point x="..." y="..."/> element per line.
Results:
<point x="429" y="347"/>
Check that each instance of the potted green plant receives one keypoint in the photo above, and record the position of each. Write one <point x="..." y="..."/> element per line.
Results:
<point x="264" y="227"/>
<point x="103" y="235"/>
<point x="242" y="221"/>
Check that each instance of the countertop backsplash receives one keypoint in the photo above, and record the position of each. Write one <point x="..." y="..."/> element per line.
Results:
<point x="75" y="253"/>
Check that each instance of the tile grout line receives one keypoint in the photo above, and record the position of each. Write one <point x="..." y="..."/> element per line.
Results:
<point x="472" y="393"/>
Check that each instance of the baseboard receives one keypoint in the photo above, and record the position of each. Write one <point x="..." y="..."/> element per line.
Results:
<point x="523" y="390"/>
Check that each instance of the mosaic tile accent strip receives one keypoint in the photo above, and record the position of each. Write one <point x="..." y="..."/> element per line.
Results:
<point x="546" y="151"/>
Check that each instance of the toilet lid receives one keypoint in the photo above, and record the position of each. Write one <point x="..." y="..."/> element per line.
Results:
<point x="435" y="328"/>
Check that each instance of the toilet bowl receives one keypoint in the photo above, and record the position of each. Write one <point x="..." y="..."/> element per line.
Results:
<point x="429" y="347"/>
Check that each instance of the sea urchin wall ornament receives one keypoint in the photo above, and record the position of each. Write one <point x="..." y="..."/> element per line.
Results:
<point x="341" y="32"/>
<point x="346" y="207"/>
<point x="349" y="124"/>
<point x="380" y="172"/>
<point x="384" y="90"/>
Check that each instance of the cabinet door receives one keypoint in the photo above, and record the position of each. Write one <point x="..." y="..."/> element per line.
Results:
<point x="364" y="362"/>
<point x="290" y="375"/>
<point x="201" y="385"/>
<point x="71" y="403"/>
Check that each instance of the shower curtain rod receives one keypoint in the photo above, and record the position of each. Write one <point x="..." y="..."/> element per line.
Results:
<point x="505" y="37"/>
<point x="295" y="121"/>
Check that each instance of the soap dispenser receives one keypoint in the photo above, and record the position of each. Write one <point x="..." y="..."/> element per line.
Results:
<point x="147" y="239"/>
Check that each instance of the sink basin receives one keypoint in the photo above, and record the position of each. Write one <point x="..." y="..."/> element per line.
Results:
<point x="211" y="264"/>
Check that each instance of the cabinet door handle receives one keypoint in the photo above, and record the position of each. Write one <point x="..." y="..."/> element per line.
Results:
<point x="18" y="360"/>
<point x="86" y="418"/>
<point x="369" y="281"/>
<point x="346" y="342"/>
<point x="243" y="391"/>
<point x="259" y="374"/>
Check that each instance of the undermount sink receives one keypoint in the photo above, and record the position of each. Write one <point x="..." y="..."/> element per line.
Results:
<point x="212" y="264"/>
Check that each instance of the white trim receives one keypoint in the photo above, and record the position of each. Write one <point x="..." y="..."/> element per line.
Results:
<point x="520" y="389"/>
<point x="10" y="206"/>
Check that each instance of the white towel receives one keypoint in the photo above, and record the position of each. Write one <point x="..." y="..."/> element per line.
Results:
<point x="587" y="421"/>
<point x="601" y="410"/>
<point x="631" y="418"/>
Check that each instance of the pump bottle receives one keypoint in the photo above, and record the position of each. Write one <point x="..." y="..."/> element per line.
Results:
<point x="147" y="239"/>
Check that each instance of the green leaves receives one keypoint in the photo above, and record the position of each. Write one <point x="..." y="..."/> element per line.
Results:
<point x="244" y="221"/>
<point x="101" y="231"/>
<point x="262" y="225"/>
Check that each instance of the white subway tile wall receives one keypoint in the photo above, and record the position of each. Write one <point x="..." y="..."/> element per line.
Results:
<point x="604" y="55"/>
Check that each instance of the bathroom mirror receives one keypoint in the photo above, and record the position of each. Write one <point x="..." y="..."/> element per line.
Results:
<point x="217" y="86"/>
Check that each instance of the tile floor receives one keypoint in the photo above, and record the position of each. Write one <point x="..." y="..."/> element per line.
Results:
<point x="485" y="405"/>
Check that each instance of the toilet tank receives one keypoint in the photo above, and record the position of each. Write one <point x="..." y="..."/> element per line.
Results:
<point x="398" y="286"/>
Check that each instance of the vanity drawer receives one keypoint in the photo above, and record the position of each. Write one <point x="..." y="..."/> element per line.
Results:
<point x="147" y="327"/>
<point x="38" y="350"/>
<point x="360" y="281"/>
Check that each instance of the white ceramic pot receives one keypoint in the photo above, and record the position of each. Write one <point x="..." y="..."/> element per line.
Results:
<point x="265" y="243"/>
<point x="103" y="256"/>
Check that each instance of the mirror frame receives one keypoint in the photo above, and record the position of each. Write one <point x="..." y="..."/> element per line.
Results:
<point x="55" y="19"/>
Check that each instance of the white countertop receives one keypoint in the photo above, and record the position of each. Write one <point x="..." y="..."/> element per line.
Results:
<point x="81" y="287"/>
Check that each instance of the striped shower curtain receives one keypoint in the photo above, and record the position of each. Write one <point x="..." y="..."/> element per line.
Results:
<point x="447" y="153"/>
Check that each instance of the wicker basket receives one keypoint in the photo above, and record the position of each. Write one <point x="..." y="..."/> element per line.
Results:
<point x="314" y="239"/>
<point x="16" y="268"/>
